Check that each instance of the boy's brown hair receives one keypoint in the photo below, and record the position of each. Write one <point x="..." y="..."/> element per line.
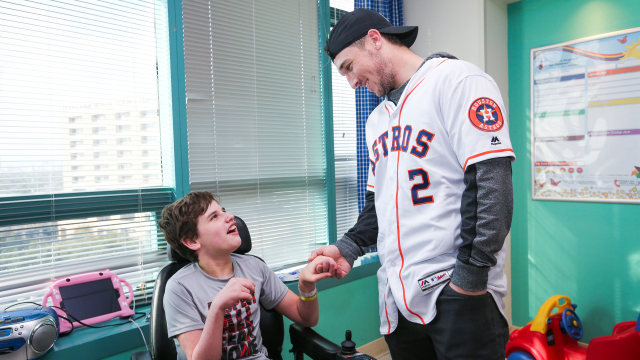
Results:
<point x="180" y="221"/>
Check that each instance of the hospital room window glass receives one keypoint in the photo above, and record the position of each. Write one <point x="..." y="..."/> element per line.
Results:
<point x="80" y="82"/>
<point x="344" y="138"/>
<point x="254" y="119"/>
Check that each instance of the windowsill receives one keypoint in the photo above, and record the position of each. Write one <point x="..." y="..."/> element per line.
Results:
<point x="95" y="344"/>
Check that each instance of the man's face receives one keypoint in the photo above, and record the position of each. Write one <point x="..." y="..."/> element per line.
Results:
<point x="217" y="232"/>
<point x="364" y="66"/>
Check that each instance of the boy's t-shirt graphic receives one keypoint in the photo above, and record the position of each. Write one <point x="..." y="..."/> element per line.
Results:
<point x="190" y="292"/>
<point x="238" y="338"/>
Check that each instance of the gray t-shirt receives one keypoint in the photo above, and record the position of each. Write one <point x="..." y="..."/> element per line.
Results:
<point x="190" y="291"/>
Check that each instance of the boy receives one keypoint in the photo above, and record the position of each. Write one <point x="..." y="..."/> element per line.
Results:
<point x="211" y="305"/>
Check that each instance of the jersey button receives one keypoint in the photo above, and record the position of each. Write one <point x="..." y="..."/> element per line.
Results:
<point x="393" y="263"/>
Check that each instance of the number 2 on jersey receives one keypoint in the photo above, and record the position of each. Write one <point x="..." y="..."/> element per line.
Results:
<point x="417" y="200"/>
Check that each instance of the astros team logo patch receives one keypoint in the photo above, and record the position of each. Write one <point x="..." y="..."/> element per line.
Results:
<point x="485" y="114"/>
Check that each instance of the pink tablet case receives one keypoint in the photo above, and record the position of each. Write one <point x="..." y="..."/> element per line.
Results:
<point x="56" y="298"/>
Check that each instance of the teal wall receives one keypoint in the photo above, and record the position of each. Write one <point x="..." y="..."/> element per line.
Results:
<point x="352" y="306"/>
<point x="587" y="251"/>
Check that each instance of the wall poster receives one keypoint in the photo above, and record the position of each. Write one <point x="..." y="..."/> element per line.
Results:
<point x="585" y="119"/>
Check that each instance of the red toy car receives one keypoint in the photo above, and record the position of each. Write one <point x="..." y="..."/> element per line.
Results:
<point x="555" y="337"/>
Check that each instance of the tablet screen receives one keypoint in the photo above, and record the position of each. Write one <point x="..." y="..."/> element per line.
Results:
<point x="90" y="299"/>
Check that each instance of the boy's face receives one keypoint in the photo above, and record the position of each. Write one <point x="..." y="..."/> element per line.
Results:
<point x="217" y="232"/>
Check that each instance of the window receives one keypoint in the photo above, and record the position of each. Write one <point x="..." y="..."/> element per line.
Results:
<point x="124" y="153"/>
<point x="122" y="115"/>
<point x="148" y="126"/>
<point x="121" y="128"/>
<point x="148" y="113"/>
<point x="99" y="154"/>
<point x="148" y="139"/>
<point x="260" y="148"/>
<point x="344" y="138"/>
<point x="76" y="71"/>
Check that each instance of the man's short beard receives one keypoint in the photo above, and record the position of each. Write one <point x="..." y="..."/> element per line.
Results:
<point x="387" y="78"/>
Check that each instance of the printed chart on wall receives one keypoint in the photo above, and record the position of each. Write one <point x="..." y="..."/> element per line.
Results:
<point x="585" y="122"/>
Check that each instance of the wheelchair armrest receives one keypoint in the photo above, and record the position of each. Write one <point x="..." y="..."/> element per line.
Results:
<point x="141" y="355"/>
<point x="312" y="344"/>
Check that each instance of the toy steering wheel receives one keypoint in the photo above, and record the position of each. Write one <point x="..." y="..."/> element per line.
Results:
<point x="572" y="324"/>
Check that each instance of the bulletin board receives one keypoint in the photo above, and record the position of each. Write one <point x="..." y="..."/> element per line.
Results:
<point x="585" y="119"/>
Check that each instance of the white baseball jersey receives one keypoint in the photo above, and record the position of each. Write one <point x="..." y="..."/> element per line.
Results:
<point x="450" y="116"/>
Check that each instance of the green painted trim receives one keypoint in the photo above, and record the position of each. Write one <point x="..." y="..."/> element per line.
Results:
<point x="179" y="99"/>
<point x="17" y="210"/>
<point x="94" y="344"/>
<point x="324" y="26"/>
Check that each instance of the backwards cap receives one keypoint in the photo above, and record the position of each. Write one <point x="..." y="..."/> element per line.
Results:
<point x="355" y="25"/>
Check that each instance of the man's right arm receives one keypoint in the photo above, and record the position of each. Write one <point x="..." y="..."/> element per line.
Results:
<point x="363" y="234"/>
<point x="355" y="242"/>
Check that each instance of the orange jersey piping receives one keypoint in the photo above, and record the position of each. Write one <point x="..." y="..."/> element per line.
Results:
<point x="484" y="153"/>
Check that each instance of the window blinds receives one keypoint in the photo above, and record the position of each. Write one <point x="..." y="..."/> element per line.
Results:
<point x="344" y="135"/>
<point x="254" y="119"/>
<point x="82" y="172"/>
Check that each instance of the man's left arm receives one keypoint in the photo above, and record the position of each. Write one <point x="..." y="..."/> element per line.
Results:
<point x="486" y="210"/>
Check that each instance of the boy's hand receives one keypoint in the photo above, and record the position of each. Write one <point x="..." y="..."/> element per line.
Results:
<point x="333" y="252"/>
<point x="236" y="289"/>
<point x="320" y="268"/>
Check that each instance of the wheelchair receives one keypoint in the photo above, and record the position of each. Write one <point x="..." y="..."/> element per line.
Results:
<point x="304" y="340"/>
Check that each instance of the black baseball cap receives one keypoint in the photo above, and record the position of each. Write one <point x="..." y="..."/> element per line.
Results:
<point x="355" y="25"/>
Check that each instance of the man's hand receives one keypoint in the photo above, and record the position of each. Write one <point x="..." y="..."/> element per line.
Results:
<point x="463" y="291"/>
<point x="236" y="289"/>
<point x="333" y="252"/>
<point x="320" y="268"/>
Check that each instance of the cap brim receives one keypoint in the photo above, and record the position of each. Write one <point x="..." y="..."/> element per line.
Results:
<point x="406" y="34"/>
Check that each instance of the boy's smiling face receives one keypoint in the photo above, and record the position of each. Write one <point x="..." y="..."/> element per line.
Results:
<point x="217" y="232"/>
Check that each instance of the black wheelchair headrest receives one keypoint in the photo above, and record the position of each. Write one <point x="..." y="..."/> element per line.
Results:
<point x="245" y="245"/>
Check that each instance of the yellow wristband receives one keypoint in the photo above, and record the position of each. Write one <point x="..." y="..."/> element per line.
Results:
<point x="309" y="298"/>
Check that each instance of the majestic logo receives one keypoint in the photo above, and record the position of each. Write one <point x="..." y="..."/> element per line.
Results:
<point x="495" y="141"/>
<point x="429" y="282"/>
<point x="485" y="115"/>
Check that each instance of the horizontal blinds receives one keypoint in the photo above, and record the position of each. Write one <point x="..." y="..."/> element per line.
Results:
<point x="344" y="135"/>
<point x="78" y="96"/>
<point x="86" y="143"/>
<point x="254" y="119"/>
<point x="32" y="255"/>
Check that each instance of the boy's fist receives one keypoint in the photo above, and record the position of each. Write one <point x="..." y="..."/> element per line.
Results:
<point x="320" y="268"/>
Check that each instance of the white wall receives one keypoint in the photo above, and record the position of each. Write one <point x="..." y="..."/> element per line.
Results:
<point x="472" y="30"/>
<point x="454" y="26"/>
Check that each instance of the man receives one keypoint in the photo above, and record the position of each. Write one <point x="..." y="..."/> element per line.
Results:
<point x="440" y="196"/>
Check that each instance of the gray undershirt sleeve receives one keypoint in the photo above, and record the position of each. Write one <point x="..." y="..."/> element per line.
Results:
<point x="363" y="234"/>
<point x="486" y="210"/>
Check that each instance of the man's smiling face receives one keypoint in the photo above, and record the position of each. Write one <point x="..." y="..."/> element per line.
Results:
<point x="363" y="66"/>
